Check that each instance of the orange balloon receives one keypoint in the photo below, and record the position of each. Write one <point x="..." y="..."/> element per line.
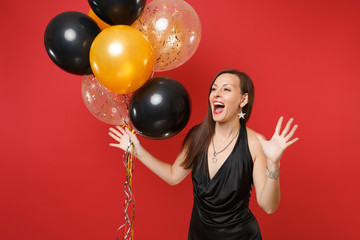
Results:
<point x="99" y="22"/>
<point x="121" y="58"/>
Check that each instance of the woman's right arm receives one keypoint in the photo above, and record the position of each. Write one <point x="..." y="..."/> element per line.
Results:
<point x="172" y="174"/>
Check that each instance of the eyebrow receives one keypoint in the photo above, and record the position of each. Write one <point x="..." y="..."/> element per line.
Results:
<point x="223" y="84"/>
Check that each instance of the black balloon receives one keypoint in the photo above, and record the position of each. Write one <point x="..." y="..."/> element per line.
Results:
<point x="160" y="108"/>
<point x="68" y="38"/>
<point x="118" y="12"/>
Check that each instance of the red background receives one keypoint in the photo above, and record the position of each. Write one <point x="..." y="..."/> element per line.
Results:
<point x="60" y="180"/>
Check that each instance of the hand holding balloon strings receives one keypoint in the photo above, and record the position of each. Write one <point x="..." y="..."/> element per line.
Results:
<point x="275" y="147"/>
<point x="125" y="138"/>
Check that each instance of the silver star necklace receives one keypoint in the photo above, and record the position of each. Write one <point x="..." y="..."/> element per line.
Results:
<point x="214" y="159"/>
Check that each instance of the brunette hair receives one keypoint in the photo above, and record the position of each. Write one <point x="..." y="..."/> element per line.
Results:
<point x="198" y="138"/>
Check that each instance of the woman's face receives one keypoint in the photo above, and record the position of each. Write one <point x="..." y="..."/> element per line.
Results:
<point x="225" y="98"/>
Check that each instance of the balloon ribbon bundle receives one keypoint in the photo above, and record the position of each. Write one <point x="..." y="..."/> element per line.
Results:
<point x="128" y="157"/>
<point x="129" y="204"/>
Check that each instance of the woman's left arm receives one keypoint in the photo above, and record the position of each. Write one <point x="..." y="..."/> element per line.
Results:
<point x="267" y="155"/>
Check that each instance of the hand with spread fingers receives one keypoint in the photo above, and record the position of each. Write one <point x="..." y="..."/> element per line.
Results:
<point x="124" y="138"/>
<point x="275" y="147"/>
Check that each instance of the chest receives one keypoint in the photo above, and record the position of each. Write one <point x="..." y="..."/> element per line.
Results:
<point x="217" y="156"/>
<point x="230" y="177"/>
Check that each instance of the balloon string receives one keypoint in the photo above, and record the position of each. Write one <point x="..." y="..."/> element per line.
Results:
<point x="129" y="199"/>
<point x="132" y="167"/>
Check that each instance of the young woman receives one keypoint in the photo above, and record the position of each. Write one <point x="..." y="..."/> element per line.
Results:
<point x="226" y="159"/>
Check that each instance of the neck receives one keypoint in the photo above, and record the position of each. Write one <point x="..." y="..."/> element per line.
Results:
<point x="227" y="130"/>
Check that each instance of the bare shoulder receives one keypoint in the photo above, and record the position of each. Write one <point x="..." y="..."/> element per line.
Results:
<point x="252" y="138"/>
<point x="254" y="143"/>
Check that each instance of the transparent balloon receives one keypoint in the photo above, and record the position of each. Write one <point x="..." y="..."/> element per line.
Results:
<point x="173" y="29"/>
<point x="108" y="107"/>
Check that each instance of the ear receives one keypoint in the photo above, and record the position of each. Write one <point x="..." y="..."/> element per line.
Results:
<point x="244" y="100"/>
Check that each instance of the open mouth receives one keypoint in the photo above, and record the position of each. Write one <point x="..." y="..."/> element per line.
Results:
<point x="218" y="107"/>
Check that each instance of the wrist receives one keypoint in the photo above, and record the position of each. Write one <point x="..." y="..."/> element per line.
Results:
<point x="274" y="175"/>
<point x="138" y="151"/>
<point x="273" y="166"/>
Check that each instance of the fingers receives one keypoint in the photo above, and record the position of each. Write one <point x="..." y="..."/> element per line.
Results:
<point x="115" y="145"/>
<point x="291" y="142"/>
<point x="278" y="126"/>
<point x="132" y="136"/>
<point x="291" y="134"/>
<point x="117" y="133"/>
<point x="128" y="132"/>
<point x="121" y="129"/>
<point x="115" y="137"/>
<point x="123" y="136"/>
<point x="287" y="127"/>
<point x="286" y="135"/>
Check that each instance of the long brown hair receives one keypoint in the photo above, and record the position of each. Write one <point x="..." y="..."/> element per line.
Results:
<point x="198" y="138"/>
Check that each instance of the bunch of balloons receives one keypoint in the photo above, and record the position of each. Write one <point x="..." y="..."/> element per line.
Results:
<point x="117" y="47"/>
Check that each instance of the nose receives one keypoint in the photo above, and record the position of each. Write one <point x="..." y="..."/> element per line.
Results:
<point x="217" y="93"/>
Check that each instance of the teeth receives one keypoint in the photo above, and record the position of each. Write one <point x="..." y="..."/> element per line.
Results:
<point x="218" y="104"/>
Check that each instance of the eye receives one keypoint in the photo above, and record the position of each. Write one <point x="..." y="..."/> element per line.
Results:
<point x="213" y="89"/>
<point x="227" y="89"/>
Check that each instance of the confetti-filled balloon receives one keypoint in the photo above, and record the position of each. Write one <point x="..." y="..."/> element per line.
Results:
<point x="121" y="58"/>
<point x="108" y="107"/>
<point x="173" y="29"/>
